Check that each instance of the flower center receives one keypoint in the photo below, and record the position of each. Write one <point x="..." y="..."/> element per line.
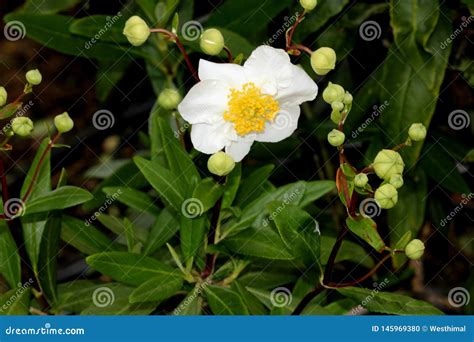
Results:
<point x="249" y="109"/>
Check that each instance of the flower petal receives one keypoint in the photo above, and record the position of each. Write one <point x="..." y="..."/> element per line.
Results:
<point x="301" y="89"/>
<point x="238" y="149"/>
<point x="284" y="124"/>
<point x="205" y="102"/>
<point x="232" y="74"/>
<point x="269" y="68"/>
<point x="210" y="138"/>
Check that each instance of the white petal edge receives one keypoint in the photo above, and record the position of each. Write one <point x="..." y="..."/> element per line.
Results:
<point x="238" y="149"/>
<point x="232" y="74"/>
<point x="301" y="89"/>
<point x="210" y="138"/>
<point x="284" y="124"/>
<point x="205" y="102"/>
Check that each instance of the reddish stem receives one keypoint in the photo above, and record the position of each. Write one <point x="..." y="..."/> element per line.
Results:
<point x="230" y="58"/>
<point x="38" y="167"/>
<point x="289" y="37"/>
<point x="180" y="46"/>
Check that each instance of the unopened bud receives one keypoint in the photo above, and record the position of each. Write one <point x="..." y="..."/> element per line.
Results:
<point x="415" y="249"/>
<point x="361" y="180"/>
<point x="386" y="196"/>
<point x="22" y="126"/>
<point x="212" y="41"/>
<point x="220" y="164"/>
<point x="323" y="60"/>
<point x="63" y="122"/>
<point x="308" y="5"/>
<point x="337" y="105"/>
<point x="333" y="92"/>
<point x="34" y="77"/>
<point x="396" y="181"/>
<point x="169" y="98"/>
<point x="347" y="98"/>
<point x="336" y="137"/>
<point x="417" y="132"/>
<point x="388" y="163"/>
<point x="3" y="96"/>
<point x="136" y="30"/>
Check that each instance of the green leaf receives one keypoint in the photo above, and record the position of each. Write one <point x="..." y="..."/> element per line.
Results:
<point x="43" y="180"/>
<point x="348" y="251"/>
<point x="158" y="288"/>
<point x="254" y="306"/>
<point x="298" y="231"/>
<point x="191" y="305"/>
<point x="53" y="31"/>
<point x="33" y="229"/>
<point x="85" y="237"/>
<point x="48" y="6"/>
<point x="224" y="301"/>
<point x="192" y="232"/>
<point x="9" y="257"/>
<point x="103" y="28"/>
<point x="129" y="268"/>
<point x="315" y="190"/>
<point x="231" y="186"/>
<point x="366" y="229"/>
<point x="249" y="188"/>
<point x="62" y="198"/>
<point x="48" y="262"/>
<point x="133" y="198"/>
<point x="389" y="303"/>
<point x="260" y="242"/>
<point x="207" y="192"/>
<point x="16" y="301"/>
<point x="338" y="307"/>
<point x="167" y="185"/>
<point x="164" y="228"/>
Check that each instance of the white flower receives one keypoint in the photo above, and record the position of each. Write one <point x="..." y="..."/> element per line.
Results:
<point x="233" y="106"/>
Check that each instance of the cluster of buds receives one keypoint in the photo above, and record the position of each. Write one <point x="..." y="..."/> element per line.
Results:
<point x="23" y="126"/>
<point x="340" y="101"/>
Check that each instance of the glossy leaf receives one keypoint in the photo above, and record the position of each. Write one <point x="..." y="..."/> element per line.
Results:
<point x="9" y="257"/>
<point x="366" y="229"/>
<point x="62" y="198"/>
<point x="157" y="288"/>
<point x="224" y="301"/>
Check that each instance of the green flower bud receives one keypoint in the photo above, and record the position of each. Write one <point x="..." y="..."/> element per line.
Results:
<point x="169" y="98"/>
<point x="347" y="98"/>
<point x="308" y="5"/>
<point x="336" y="137"/>
<point x="396" y="181"/>
<point x="34" y="77"/>
<point x="8" y="131"/>
<point x="3" y="96"/>
<point x="220" y="164"/>
<point x="361" y="180"/>
<point x="63" y="122"/>
<point x="337" y="106"/>
<point x="136" y="30"/>
<point x="386" y="196"/>
<point x="333" y="92"/>
<point x="388" y="163"/>
<point x="415" y="249"/>
<point x="22" y="126"/>
<point x="323" y="60"/>
<point x="212" y="41"/>
<point x="336" y="116"/>
<point x="417" y="132"/>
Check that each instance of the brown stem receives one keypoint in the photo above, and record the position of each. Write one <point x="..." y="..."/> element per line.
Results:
<point x="399" y="147"/>
<point x="230" y="58"/>
<point x="38" y="167"/>
<point x="3" y="175"/>
<point x="302" y="48"/>
<point x="180" y="46"/>
<point x="289" y="36"/>
<point x="361" y="279"/>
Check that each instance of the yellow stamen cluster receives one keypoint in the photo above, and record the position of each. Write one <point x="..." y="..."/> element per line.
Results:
<point x="249" y="109"/>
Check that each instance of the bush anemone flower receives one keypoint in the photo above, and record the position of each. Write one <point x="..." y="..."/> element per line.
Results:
<point x="233" y="106"/>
